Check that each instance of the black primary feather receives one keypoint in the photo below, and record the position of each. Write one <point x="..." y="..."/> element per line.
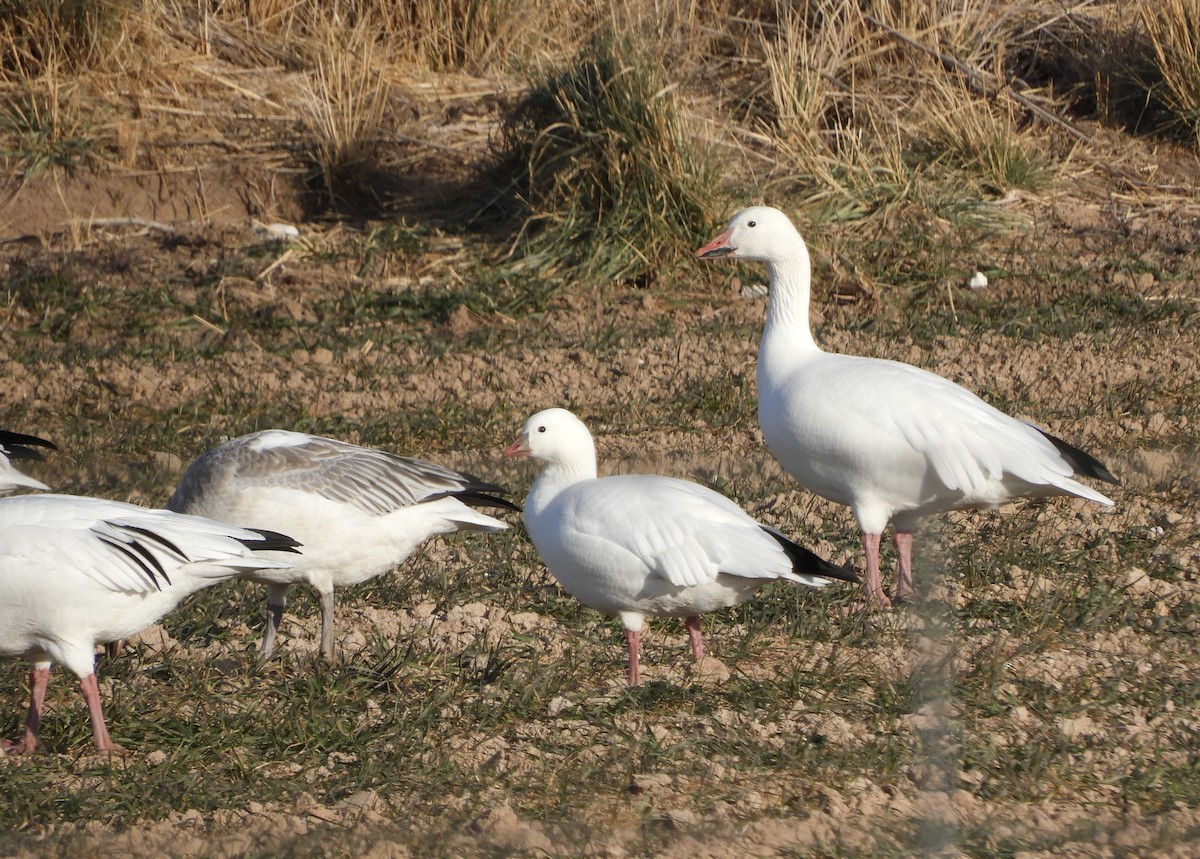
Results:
<point x="18" y="445"/>
<point x="809" y="563"/>
<point x="272" y="541"/>
<point x="138" y="559"/>
<point x="1083" y="463"/>
<point x="475" y="498"/>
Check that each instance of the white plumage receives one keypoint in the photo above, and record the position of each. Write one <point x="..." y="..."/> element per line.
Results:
<point x="359" y="512"/>
<point x="76" y="572"/>
<point x="15" y="445"/>
<point x="892" y="441"/>
<point x="638" y="545"/>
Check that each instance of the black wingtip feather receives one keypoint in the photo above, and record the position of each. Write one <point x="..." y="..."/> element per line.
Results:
<point x="808" y="563"/>
<point x="18" y="445"/>
<point x="1083" y="463"/>
<point x="484" y="499"/>
<point x="272" y="541"/>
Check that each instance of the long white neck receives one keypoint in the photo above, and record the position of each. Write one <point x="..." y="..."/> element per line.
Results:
<point x="787" y="324"/>
<point x="556" y="477"/>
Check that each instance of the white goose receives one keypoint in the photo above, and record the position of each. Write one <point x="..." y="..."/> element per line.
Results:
<point x="359" y="512"/>
<point x="637" y="545"/>
<point x="15" y="445"/>
<point x="892" y="441"/>
<point x="76" y="572"/>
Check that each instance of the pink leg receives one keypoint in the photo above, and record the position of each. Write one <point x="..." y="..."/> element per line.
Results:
<point x="38" y="679"/>
<point x="633" y="638"/>
<point x="91" y="694"/>
<point x="904" y="580"/>
<point x="693" y="628"/>
<point x="876" y="598"/>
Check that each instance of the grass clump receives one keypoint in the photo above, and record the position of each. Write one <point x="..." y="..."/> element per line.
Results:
<point x="347" y="98"/>
<point x="598" y="167"/>
<point x="871" y="108"/>
<point x="37" y="36"/>
<point x="46" y="126"/>
<point x="1173" y="28"/>
<point x="984" y="142"/>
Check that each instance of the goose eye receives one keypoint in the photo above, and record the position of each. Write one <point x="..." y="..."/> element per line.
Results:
<point x="752" y="224"/>
<point x="541" y="429"/>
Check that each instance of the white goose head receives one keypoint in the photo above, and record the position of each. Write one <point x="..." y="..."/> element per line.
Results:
<point x="557" y="438"/>
<point x="760" y="233"/>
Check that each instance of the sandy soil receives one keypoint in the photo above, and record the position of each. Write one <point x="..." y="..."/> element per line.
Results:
<point x="215" y="209"/>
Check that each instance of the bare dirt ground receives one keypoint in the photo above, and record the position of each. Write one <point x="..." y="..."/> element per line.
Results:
<point x="243" y="337"/>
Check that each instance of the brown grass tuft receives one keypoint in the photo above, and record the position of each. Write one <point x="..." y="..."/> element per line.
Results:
<point x="1173" y="27"/>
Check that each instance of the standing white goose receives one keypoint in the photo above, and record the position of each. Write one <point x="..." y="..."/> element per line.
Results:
<point x="76" y="572"/>
<point x="15" y="445"/>
<point x="359" y="512"/>
<point x="892" y="441"/>
<point x="637" y="545"/>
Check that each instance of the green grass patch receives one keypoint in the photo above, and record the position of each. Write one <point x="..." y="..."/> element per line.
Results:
<point x="598" y="169"/>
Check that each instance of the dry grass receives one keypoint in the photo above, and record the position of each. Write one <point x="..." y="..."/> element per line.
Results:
<point x="38" y="36"/>
<point x="849" y="104"/>
<point x="1173" y="28"/>
<point x="599" y="169"/>
<point x="347" y="101"/>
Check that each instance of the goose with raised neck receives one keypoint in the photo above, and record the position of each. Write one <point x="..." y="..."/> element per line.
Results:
<point x="893" y="442"/>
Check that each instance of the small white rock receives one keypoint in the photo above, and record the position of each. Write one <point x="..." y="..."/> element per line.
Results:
<point x="978" y="280"/>
<point x="279" y="232"/>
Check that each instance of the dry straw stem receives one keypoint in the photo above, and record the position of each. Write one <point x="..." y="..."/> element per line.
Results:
<point x="988" y="84"/>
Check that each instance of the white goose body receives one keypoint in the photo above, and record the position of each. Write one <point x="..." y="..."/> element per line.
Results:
<point x="894" y="442"/>
<point x="76" y="572"/>
<point x="359" y="512"/>
<point x="897" y="443"/>
<point x="639" y="545"/>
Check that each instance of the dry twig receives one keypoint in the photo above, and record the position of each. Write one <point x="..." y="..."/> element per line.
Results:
<point x="986" y="82"/>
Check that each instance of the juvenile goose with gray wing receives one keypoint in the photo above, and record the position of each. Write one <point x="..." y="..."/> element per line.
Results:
<point x="76" y="572"/>
<point x="360" y="512"/>
<point x="894" y="442"/>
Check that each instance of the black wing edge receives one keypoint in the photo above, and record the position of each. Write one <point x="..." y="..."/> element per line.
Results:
<point x="809" y="563"/>
<point x="1083" y="463"/>
<point x="18" y="445"/>
<point x="271" y="541"/>
<point x="476" y="498"/>
<point x="478" y="493"/>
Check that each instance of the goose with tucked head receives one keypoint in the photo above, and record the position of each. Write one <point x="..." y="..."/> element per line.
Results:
<point x="77" y="571"/>
<point x="359" y="511"/>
